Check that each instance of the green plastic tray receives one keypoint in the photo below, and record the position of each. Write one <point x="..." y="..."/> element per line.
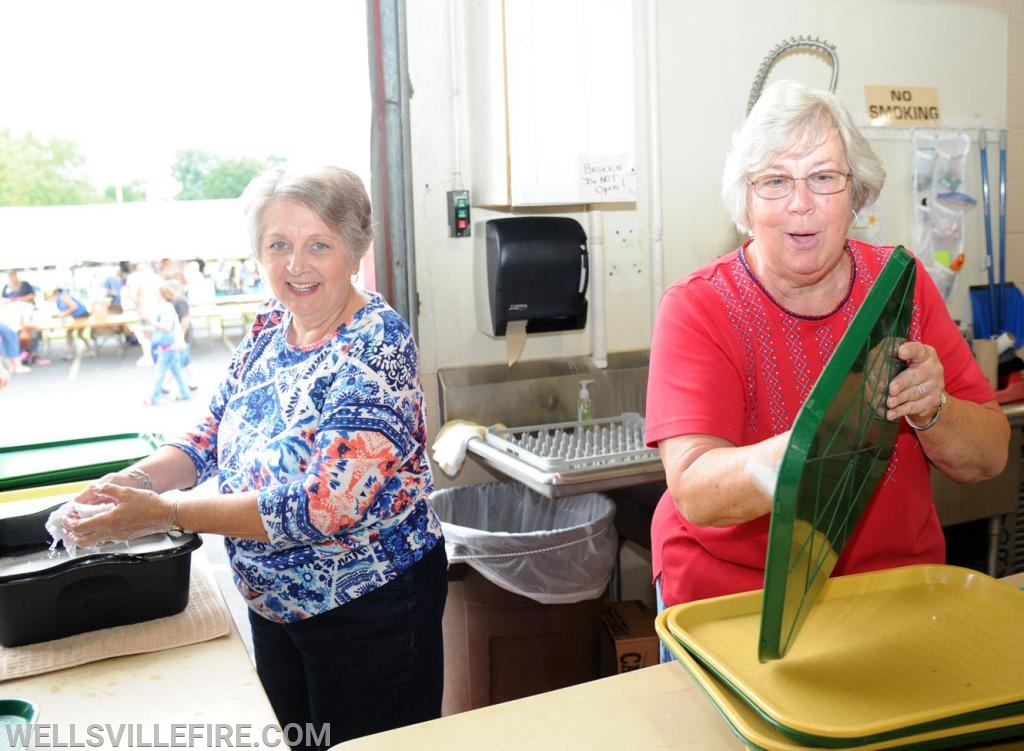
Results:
<point x="838" y="450"/>
<point x="16" y="718"/>
<point x="38" y="464"/>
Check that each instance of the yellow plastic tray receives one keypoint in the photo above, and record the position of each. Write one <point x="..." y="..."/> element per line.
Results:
<point x="70" y="489"/>
<point x="882" y="655"/>
<point x="758" y="733"/>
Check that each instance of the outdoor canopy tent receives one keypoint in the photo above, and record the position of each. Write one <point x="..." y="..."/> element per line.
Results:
<point x="66" y="236"/>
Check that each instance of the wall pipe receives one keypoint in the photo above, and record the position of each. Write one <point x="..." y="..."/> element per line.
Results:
<point x="654" y="158"/>
<point x="595" y="249"/>
<point x="456" y="40"/>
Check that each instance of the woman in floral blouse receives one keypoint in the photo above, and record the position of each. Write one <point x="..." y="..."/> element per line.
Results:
<point x="316" y="439"/>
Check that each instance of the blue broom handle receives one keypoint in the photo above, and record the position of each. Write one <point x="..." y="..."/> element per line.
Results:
<point x="987" y="206"/>
<point x="1002" y="230"/>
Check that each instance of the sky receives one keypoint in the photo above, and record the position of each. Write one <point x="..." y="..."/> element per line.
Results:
<point x="132" y="83"/>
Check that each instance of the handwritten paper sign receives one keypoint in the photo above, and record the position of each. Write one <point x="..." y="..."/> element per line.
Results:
<point x="607" y="178"/>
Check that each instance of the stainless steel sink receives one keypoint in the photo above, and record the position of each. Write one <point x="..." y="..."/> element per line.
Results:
<point x="543" y="391"/>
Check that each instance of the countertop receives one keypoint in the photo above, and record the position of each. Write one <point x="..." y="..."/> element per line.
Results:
<point x="659" y="707"/>
<point x="211" y="683"/>
<point x="211" y="690"/>
<point x="150" y="699"/>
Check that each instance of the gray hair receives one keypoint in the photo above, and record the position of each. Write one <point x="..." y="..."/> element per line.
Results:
<point x="334" y="194"/>
<point x="792" y="116"/>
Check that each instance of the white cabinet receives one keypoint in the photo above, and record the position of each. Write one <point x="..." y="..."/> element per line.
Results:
<point x="550" y="97"/>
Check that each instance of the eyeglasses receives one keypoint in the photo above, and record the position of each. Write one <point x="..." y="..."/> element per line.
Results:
<point x="823" y="183"/>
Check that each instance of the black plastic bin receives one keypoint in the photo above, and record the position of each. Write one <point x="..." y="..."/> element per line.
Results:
<point x="44" y="597"/>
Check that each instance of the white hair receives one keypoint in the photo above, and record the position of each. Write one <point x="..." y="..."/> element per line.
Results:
<point x="792" y="117"/>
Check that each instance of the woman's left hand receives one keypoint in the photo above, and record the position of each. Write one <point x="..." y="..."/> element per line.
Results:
<point x="137" y="513"/>
<point x="917" y="391"/>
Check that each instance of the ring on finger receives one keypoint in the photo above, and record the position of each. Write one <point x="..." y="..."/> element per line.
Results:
<point x="920" y="390"/>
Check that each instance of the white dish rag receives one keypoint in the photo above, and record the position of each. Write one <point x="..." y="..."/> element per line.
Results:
<point x="450" y="445"/>
<point x="74" y="510"/>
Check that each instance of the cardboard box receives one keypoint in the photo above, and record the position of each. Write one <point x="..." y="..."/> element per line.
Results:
<point x="500" y="646"/>
<point x="628" y="639"/>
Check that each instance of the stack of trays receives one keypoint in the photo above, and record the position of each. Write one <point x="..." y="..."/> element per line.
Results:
<point x="913" y="657"/>
<point x="38" y="464"/>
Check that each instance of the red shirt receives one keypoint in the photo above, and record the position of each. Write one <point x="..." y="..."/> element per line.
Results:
<point x="727" y="361"/>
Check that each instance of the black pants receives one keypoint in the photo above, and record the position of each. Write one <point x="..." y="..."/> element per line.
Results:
<point x="372" y="664"/>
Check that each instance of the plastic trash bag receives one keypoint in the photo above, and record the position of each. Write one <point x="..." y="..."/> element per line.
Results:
<point x="554" y="551"/>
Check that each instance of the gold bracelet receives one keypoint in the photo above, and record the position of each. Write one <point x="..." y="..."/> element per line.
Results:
<point x="175" y="530"/>
<point x="931" y="422"/>
<point x="142" y="481"/>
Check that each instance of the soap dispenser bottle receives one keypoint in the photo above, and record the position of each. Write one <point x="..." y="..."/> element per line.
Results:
<point x="584" y="407"/>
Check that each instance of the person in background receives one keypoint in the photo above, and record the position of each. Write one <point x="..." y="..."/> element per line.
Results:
<point x="170" y="271"/>
<point x="20" y="295"/>
<point x="142" y="294"/>
<point x="168" y="345"/>
<point x="18" y="289"/>
<point x="199" y="288"/>
<point x="17" y="315"/>
<point x="113" y="284"/>
<point x="739" y="343"/>
<point x="5" y="378"/>
<point x="249" y="278"/>
<point x="11" y="350"/>
<point x="316" y="439"/>
<point x="69" y="306"/>
<point x="173" y="293"/>
<point x="232" y="285"/>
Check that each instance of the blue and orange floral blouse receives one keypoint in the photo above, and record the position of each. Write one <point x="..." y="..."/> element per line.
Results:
<point x="333" y="438"/>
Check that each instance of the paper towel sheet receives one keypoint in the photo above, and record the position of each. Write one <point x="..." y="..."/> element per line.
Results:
<point x="205" y="617"/>
<point x="515" y="340"/>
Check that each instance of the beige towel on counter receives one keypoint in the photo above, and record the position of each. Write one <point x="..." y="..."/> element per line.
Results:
<point x="205" y="617"/>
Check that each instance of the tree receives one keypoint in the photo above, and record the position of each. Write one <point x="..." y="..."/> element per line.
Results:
<point x="34" y="172"/>
<point x="133" y="191"/>
<point x="203" y="175"/>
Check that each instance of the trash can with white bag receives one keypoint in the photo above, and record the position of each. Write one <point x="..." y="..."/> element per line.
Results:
<point x="527" y="577"/>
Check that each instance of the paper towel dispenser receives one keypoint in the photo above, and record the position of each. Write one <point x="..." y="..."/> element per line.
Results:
<point x="537" y="272"/>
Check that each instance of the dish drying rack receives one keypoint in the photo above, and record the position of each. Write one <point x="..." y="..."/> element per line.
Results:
<point x="573" y="446"/>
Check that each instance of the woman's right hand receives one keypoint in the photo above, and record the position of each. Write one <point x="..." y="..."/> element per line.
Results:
<point x="136" y="512"/>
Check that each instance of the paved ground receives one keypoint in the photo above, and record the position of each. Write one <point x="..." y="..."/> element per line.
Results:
<point x="105" y="398"/>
